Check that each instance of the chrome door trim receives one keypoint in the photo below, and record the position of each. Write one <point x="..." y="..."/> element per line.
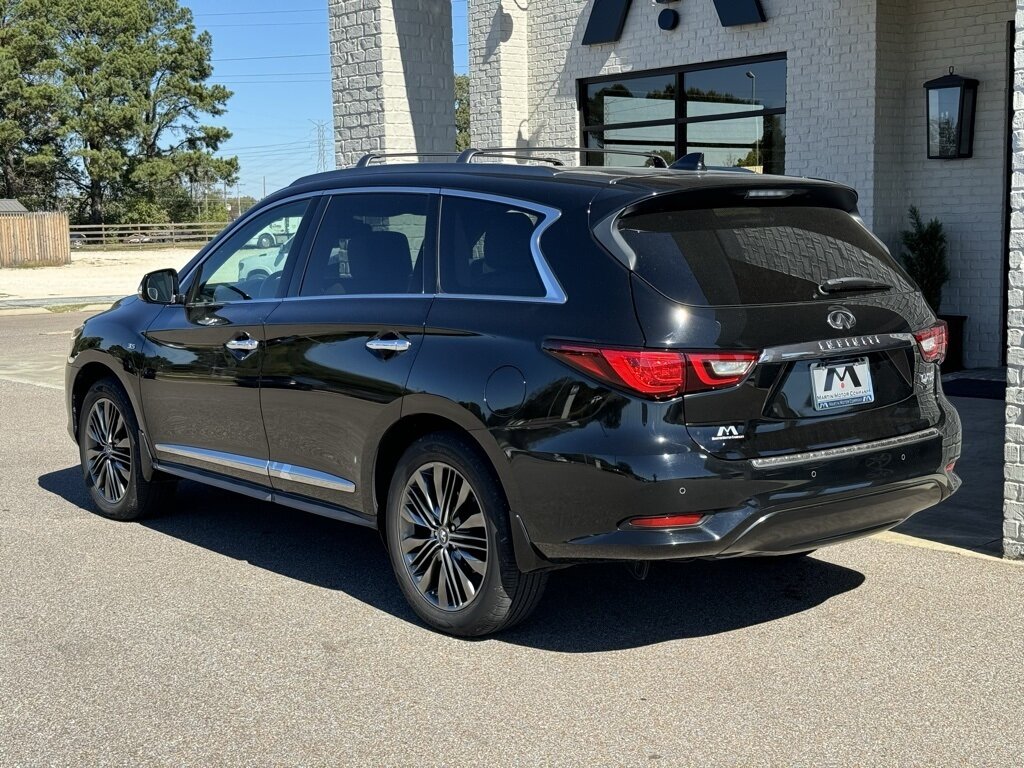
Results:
<point x="246" y="344"/>
<point x="265" y="469"/>
<point x="282" y="471"/>
<point x="810" y="350"/>
<point x="553" y="292"/>
<point x="220" y="458"/>
<point x="791" y="459"/>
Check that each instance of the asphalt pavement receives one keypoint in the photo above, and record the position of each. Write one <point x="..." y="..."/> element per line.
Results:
<point x="230" y="632"/>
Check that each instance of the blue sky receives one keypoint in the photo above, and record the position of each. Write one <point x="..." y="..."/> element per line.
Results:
<point x="276" y="60"/>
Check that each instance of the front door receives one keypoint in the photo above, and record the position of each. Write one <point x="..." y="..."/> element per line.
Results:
<point x="201" y="373"/>
<point x="339" y="352"/>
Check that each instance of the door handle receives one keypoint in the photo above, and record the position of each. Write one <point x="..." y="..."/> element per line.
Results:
<point x="244" y="344"/>
<point x="388" y="345"/>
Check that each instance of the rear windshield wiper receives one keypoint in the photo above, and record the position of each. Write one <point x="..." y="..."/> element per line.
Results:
<point x="852" y="284"/>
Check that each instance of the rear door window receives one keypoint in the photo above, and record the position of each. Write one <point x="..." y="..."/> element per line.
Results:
<point x="755" y="254"/>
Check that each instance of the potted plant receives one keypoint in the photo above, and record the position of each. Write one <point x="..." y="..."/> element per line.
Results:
<point x="925" y="259"/>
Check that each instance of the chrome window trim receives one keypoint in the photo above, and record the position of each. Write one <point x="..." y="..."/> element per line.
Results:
<point x="553" y="291"/>
<point x="792" y="459"/>
<point x="262" y="467"/>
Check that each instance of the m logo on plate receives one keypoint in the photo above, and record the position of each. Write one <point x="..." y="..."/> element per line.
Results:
<point x="841" y="373"/>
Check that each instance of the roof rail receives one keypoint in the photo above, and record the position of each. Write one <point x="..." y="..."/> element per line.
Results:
<point x="370" y="157"/>
<point x="468" y="155"/>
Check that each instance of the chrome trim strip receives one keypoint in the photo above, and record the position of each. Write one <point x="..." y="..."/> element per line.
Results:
<point x="232" y="460"/>
<point x="553" y="291"/>
<point x="832" y="347"/>
<point x="790" y="459"/>
<point x="295" y="474"/>
<point x="261" y="467"/>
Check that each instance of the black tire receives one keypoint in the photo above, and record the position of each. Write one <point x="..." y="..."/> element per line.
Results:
<point x="139" y="497"/>
<point x="504" y="595"/>
<point x="265" y="241"/>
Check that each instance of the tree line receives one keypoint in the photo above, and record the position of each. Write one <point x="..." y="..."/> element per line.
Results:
<point x="103" y="106"/>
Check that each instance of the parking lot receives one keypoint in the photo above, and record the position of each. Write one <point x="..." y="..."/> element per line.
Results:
<point x="231" y="632"/>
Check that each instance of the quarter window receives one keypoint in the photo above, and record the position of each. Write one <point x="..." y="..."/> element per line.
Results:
<point x="250" y="263"/>
<point x="486" y="249"/>
<point x="370" y="243"/>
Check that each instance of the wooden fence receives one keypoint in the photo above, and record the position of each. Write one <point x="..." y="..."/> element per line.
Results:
<point x="34" y="238"/>
<point x="139" y="234"/>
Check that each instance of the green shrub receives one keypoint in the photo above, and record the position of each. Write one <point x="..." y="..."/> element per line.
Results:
<point x="924" y="256"/>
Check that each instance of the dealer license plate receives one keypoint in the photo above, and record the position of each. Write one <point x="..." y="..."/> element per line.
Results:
<point x="840" y="385"/>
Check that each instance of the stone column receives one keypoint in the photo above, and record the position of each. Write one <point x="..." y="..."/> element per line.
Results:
<point x="1013" y="502"/>
<point x="498" y="74"/>
<point x="393" y="77"/>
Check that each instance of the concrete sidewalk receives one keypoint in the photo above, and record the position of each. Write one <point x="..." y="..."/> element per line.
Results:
<point x="94" y="275"/>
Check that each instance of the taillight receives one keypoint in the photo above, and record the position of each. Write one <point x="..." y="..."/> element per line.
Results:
<point x="714" y="370"/>
<point x="657" y="373"/>
<point x="933" y="342"/>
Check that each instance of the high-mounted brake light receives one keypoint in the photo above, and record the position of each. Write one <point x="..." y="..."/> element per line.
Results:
<point x="660" y="374"/>
<point x="933" y="342"/>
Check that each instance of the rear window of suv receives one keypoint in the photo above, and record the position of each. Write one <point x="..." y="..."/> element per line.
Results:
<point x="755" y="254"/>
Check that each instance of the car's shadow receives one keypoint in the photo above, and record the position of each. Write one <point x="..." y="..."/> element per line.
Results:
<point x="586" y="609"/>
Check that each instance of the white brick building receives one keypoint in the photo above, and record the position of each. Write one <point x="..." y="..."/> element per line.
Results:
<point x="836" y="86"/>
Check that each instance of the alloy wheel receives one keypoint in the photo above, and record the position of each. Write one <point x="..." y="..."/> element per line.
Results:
<point x="443" y="536"/>
<point x="108" y="450"/>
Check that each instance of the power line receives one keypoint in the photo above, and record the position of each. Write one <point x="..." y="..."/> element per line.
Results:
<point x="283" y="56"/>
<point x="260" y="13"/>
<point x="274" y="74"/>
<point x="268" y="24"/>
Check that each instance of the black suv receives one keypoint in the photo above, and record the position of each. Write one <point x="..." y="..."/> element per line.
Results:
<point x="507" y="369"/>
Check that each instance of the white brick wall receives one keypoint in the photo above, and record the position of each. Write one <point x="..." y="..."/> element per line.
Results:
<point x="1013" y="505"/>
<point x="919" y="41"/>
<point x="393" y="76"/>
<point x="855" y="106"/>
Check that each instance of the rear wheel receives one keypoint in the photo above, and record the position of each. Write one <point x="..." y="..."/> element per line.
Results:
<point x="108" y="443"/>
<point x="450" y="541"/>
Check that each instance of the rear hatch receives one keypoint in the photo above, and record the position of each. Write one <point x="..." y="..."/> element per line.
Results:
<point x="800" y="331"/>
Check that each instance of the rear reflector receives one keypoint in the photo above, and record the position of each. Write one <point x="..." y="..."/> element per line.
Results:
<point x="933" y="342"/>
<point x="666" y="521"/>
<point x="657" y="373"/>
<point x="951" y="466"/>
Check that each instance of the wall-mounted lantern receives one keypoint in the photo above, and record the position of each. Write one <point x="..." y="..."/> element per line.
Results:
<point x="951" y="105"/>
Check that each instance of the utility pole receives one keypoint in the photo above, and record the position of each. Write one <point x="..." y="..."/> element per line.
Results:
<point x="321" y="144"/>
<point x="264" y="186"/>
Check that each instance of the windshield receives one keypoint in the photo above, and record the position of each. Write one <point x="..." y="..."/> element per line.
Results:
<point x="758" y="255"/>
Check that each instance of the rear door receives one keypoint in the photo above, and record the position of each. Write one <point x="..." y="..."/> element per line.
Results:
<point x="340" y="348"/>
<point x="809" y="299"/>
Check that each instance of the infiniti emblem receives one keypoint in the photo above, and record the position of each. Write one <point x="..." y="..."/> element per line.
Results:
<point x="841" y="318"/>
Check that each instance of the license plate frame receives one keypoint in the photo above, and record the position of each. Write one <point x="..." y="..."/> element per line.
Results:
<point x="848" y="385"/>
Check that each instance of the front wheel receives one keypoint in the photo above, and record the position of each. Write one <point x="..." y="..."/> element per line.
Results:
<point x="450" y="541"/>
<point x="108" y="444"/>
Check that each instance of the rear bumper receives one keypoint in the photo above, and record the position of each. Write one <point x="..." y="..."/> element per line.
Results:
<point x="749" y="508"/>
<point x="753" y="531"/>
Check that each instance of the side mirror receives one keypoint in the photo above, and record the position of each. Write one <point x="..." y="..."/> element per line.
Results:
<point x="160" y="287"/>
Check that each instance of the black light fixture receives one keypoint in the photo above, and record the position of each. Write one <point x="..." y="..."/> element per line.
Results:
<point x="951" y="103"/>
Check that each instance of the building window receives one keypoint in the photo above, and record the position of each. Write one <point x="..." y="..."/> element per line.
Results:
<point x="735" y="113"/>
